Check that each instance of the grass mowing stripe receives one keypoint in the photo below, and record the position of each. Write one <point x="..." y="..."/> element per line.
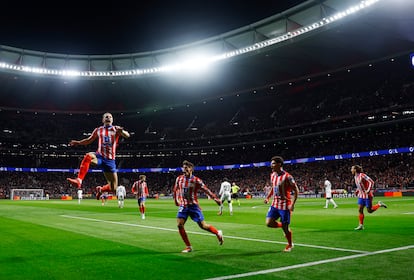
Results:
<point x="267" y="271"/>
<point x="226" y="236"/>
<point x="38" y="243"/>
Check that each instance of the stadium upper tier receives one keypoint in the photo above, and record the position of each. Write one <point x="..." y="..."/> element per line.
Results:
<point x="369" y="108"/>
<point x="305" y="42"/>
<point x="304" y="20"/>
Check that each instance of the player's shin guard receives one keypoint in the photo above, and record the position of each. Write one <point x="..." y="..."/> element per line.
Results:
<point x="184" y="236"/>
<point x="84" y="166"/>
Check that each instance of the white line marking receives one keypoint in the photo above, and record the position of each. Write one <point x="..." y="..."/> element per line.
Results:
<point x="296" y="244"/>
<point x="116" y="223"/>
<point x="267" y="271"/>
<point x="257" y="206"/>
<point x="209" y="234"/>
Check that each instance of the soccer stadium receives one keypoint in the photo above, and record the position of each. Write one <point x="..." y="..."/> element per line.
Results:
<point x="327" y="86"/>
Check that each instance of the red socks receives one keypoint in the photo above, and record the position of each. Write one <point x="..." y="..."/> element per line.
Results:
<point x="375" y="207"/>
<point x="361" y="219"/>
<point x="106" y="188"/>
<point x="84" y="167"/>
<point x="212" y="229"/>
<point x="184" y="236"/>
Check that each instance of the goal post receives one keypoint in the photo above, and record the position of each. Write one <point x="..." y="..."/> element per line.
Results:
<point x="27" y="194"/>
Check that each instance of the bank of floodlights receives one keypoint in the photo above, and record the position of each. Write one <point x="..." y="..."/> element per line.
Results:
<point x="197" y="63"/>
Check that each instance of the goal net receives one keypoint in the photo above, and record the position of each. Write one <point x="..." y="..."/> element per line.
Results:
<point x="27" y="194"/>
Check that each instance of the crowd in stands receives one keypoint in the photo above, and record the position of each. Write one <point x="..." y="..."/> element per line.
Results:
<point x="363" y="110"/>
<point x="392" y="172"/>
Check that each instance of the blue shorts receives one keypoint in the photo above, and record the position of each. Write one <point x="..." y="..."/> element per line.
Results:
<point x="107" y="165"/>
<point x="275" y="213"/>
<point x="193" y="211"/>
<point x="141" y="200"/>
<point x="367" y="202"/>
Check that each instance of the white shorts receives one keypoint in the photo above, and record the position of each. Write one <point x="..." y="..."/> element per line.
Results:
<point x="226" y="196"/>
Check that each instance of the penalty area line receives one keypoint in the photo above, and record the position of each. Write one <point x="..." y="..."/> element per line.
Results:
<point x="267" y="271"/>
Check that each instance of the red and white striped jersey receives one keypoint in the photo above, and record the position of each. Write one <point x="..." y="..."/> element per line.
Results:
<point x="186" y="189"/>
<point x="140" y="188"/>
<point x="107" y="141"/>
<point x="282" y="182"/>
<point x="365" y="185"/>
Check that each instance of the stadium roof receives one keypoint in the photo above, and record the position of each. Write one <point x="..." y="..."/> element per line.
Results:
<point x="383" y="31"/>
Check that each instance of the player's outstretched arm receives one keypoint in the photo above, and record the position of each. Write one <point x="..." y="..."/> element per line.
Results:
<point x="121" y="131"/>
<point x="85" y="141"/>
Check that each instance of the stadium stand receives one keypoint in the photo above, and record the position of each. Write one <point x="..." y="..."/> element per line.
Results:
<point x="368" y="108"/>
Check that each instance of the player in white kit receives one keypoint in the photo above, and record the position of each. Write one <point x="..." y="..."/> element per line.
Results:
<point x="121" y="194"/>
<point x="225" y="194"/>
<point x="328" y="194"/>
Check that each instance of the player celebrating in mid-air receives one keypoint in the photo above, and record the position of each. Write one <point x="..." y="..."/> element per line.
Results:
<point x="185" y="192"/>
<point x="108" y="137"/>
<point x="365" y="192"/>
<point x="282" y="186"/>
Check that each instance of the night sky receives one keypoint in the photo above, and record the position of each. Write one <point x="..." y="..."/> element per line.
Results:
<point x="72" y="28"/>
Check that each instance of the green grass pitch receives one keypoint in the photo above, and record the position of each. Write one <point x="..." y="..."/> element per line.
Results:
<point x="63" y="240"/>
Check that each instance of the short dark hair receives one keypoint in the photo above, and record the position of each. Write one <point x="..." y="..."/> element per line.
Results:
<point x="225" y="179"/>
<point x="277" y="159"/>
<point x="186" y="162"/>
<point x="358" y="168"/>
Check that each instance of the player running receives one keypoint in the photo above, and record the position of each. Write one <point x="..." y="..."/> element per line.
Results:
<point x="282" y="206"/>
<point x="185" y="192"/>
<point x="365" y="193"/>
<point x="140" y="189"/>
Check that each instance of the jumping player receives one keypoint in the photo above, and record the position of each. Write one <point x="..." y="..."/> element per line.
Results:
<point x="108" y="137"/>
